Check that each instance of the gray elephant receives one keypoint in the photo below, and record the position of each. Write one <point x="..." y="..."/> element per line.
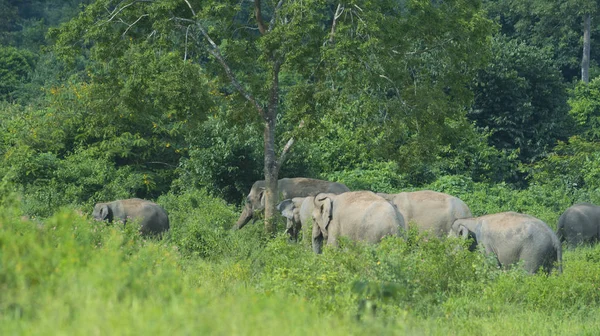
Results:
<point x="429" y="210"/>
<point x="153" y="218"/>
<point x="579" y="224"/>
<point x="298" y="212"/>
<point x="358" y="215"/>
<point x="512" y="237"/>
<point x="288" y="188"/>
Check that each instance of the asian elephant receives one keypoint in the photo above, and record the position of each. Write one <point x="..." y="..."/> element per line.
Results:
<point x="512" y="237"/>
<point x="429" y="210"/>
<point x="358" y="215"/>
<point x="153" y="218"/>
<point x="288" y="188"/>
<point x="298" y="212"/>
<point x="579" y="224"/>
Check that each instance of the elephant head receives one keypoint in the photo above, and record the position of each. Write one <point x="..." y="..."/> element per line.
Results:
<point x="102" y="212"/>
<point x="321" y="216"/>
<point x="289" y="209"/>
<point x="464" y="232"/>
<point x="255" y="201"/>
<point x="323" y="212"/>
<point x="287" y="188"/>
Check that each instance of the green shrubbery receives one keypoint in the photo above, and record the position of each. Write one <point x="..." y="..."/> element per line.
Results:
<point x="62" y="272"/>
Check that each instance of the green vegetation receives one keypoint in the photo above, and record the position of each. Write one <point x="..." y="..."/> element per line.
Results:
<point x="102" y="100"/>
<point x="71" y="275"/>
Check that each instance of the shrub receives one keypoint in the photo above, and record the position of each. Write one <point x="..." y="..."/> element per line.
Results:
<point x="201" y="226"/>
<point x="377" y="177"/>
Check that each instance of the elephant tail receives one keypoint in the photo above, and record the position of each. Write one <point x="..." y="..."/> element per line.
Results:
<point x="559" y="257"/>
<point x="560" y="227"/>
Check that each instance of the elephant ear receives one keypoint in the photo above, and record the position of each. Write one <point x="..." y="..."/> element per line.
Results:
<point x="286" y="208"/>
<point x="261" y="196"/>
<point x="104" y="212"/>
<point x="463" y="232"/>
<point x="325" y="205"/>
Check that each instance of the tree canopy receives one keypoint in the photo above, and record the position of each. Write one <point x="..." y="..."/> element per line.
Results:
<point x="175" y="94"/>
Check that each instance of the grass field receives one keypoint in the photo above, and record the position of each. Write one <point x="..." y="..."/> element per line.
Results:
<point x="69" y="275"/>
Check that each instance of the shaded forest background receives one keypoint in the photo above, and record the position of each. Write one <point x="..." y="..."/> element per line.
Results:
<point x="103" y="100"/>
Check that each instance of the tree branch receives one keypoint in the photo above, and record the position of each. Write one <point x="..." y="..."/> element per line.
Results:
<point x="287" y="147"/>
<point x="116" y="11"/>
<point x="131" y="25"/>
<point x="275" y="11"/>
<point x="187" y="30"/>
<point x="216" y="52"/>
<point x="259" y="20"/>
<point x="338" y="13"/>
<point x="188" y="3"/>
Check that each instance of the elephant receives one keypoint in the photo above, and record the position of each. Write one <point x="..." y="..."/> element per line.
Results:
<point x="287" y="188"/>
<point x="358" y="215"/>
<point x="298" y="212"/>
<point x="153" y="218"/>
<point x="579" y="224"/>
<point x="429" y="210"/>
<point x="512" y="237"/>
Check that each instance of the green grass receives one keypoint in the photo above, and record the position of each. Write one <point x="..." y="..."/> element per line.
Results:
<point x="69" y="275"/>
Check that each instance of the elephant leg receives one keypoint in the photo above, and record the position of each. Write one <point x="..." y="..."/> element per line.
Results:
<point x="332" y="241"/>
<point x="491" y="251"/>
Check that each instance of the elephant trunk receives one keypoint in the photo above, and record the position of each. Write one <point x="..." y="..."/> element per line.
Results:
<point x="291" y="229"/>
<point x="317" y="244"/>
<point x="244" y="217"/>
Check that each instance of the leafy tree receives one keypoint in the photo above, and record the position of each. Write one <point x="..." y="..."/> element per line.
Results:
<point x="15" y="67"/>
<point x="521" y="100"/>
<point x="556" y="26"/>
<point x="306" y="58"/>
<point x="23" y="23"/>
<point x="574" y="163"/>
<point x="585" y="109"/>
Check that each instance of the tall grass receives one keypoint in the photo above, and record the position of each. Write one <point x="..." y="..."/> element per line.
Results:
<point x="70" y="275"/>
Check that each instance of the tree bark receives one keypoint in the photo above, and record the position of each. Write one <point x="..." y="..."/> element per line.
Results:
<point x="585" y="60"/>
<point x="271" y="176"/>
<point x="271" y="168"/>
<point x="258" y="14"/>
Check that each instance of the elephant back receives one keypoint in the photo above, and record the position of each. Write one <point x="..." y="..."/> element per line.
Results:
<point x="580" y="223"/>
<point x="153" y="218"/>
<point x="373" y="214"/>
<point x="303" y="187"/>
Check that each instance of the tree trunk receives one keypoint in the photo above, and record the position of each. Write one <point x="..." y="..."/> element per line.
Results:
<point x="271" y="176"/>
<point x="271" y="167"/>
<point x="585" y="60"/>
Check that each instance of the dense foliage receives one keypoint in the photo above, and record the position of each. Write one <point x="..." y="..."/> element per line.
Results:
<point x="104" y="99"/>
<point x="61" y="273"/>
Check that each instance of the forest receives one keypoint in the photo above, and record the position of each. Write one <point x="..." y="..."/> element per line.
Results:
<point x="187" y="103"/>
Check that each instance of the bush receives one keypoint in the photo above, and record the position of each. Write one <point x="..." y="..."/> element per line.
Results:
<point x="201" y="226"/>
<point x="377" y="177"/>
<point x="545" y="202"/>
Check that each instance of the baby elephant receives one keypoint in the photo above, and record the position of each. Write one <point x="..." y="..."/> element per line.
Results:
<point x="153" y="218"/>
<point x="298" y="212"/>
<point x="512" y="237"/>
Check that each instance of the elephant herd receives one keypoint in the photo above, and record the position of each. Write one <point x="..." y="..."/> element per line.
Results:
<point x="326" y="211"/>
